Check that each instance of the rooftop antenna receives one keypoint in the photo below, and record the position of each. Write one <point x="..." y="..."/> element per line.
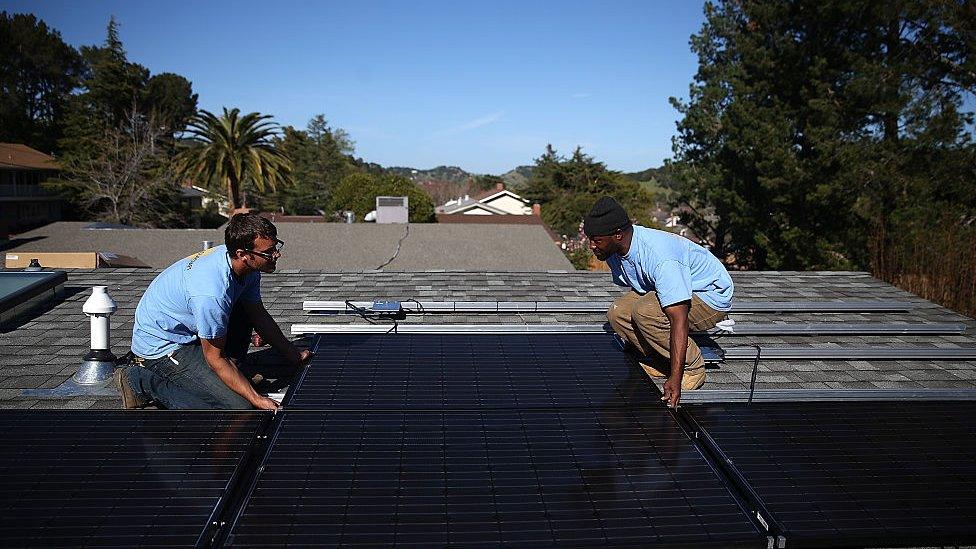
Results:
<point x="97" y="367"/>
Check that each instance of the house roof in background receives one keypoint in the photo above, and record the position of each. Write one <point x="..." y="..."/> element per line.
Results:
<point x="16" y="155"/>
<point x="474" y="204"/>
<point x="43" y="349"/>
<point x="327" y="246"/>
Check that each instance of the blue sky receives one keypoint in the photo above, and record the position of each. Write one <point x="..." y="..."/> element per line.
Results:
<point x="480" y="85"/>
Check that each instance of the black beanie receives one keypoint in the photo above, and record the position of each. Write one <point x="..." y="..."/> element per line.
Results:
<point x="606" y="217"/>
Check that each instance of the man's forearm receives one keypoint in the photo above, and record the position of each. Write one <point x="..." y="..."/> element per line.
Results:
<point x="679" y="349"/>
<point x="232" y="377"/>
<point x="269" y="330"/>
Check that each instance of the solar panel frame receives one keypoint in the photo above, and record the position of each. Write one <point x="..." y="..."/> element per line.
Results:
<point x="540" y="477"/>
<point x="123" y="478"/>
<point x="853" y="474"/>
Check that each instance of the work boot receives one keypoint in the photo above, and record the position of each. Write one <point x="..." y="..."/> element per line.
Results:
<point x="130" y="399"/>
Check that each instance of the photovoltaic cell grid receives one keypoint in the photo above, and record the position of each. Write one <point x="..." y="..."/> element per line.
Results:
<point x="124" y="479"/>
<point x="532" y="478"/>
<point x="880" y="474"/>
<point x="438" y="371"/>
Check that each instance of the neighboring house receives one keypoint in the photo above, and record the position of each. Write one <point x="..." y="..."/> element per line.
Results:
<point x="192" y="197"/>
<point x="497" y="201"/>
<point x="670" y="220"/>
<point x="199" y="197"/>
<point x="24" y="204"/>
<point x="497" y="206"/>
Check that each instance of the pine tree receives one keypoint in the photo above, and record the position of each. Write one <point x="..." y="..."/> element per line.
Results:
<point x="568" y="187"/>
<point x="811" y="125"/>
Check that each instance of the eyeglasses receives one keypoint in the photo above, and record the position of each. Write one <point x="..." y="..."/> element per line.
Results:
<point x="276" y="251"/>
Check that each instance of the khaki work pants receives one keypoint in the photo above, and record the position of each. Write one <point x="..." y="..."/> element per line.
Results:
<point x="640" y="320"/>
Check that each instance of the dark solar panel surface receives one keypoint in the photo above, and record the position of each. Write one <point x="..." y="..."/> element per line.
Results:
<point x="589" y="477"/>
<point x="434" y="371"/>
<point x="877" y="474"/>
<point x="124" y="479"/>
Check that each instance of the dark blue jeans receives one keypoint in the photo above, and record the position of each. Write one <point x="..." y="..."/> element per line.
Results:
<point x="184" y="380"/>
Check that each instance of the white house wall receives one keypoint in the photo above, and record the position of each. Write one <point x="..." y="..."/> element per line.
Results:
<point x="510" y="205"/>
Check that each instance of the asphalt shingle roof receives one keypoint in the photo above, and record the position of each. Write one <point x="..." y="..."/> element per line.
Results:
<point x="45" y="347"/>
<point x="332" y="246"/>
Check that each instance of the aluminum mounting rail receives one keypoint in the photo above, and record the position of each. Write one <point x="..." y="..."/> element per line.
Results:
<point x="844" y="353"/>
<point x="824" y="395"/>
<point x="848" y="328"/>
<point x="404" y="328"/>
<point x="447" y="307"/>
<point x="848" y="306"/>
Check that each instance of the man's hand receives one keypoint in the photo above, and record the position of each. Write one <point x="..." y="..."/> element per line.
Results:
<point x="672" y="391"/>
<point x="304" y="357"/>
<point x="265" y="403"/>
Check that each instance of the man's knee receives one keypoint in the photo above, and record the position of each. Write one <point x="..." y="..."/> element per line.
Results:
<point x="649" y="315"/>
<point x="617" y="315"/>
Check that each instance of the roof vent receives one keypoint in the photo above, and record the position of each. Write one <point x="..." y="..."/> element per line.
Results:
<point x="95" y="372"/>
<point x="392" y="209"/>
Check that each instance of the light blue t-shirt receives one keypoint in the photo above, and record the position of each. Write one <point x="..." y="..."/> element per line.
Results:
<point x="191" y="299"/>
<point x="674" y="267"/>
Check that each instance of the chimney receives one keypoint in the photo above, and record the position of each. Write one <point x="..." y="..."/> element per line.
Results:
<point x="537" y="210"/>
<point x="499" y="186"/>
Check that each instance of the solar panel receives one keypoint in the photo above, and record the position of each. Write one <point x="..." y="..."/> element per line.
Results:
<point x="587" y="477"/>
<point x="444" y="371"/>
<point x="127" y="479"/>
<point x="855" y="474"/>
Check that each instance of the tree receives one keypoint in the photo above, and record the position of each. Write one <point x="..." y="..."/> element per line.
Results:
<point x="804" y="119"/>
<point x="567" y="188"/>
<point x="170" y="99"/>
<point x="128" y="182"/>
<point x="112" y="88"/>
<point x="320" y="156"/>
<point x="113" y="85"/>
<point x="234" y="152"/>
<point x="817" y="133"/>
<point x="38" y="71"/>
<point x="357" y="192"/>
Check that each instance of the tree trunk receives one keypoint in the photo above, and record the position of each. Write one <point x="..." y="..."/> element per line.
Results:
<point x="234" y="193"/>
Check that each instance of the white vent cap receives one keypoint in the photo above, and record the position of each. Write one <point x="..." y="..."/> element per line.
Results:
<point x="100" y="303"/>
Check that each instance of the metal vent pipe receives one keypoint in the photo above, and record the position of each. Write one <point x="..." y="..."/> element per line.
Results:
<point x="99" y="363"/>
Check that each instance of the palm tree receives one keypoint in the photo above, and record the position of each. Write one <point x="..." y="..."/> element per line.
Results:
<point x="232" y="151"/>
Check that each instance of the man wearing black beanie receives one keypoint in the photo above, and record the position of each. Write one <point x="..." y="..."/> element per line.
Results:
<point x="676" y="287"/>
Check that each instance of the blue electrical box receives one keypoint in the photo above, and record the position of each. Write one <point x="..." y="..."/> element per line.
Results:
<point x="386" y="306"/>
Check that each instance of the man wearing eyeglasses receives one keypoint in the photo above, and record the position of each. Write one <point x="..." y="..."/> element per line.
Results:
<point x="194" y="323"/>
<point x="676" y="286"/>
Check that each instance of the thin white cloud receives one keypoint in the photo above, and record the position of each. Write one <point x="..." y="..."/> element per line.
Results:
<point x="474" y="124"/>
<point x="581" y="95"/>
